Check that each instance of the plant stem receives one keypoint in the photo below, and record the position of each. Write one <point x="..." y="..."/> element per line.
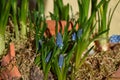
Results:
<point x="16" y="27"/>
<point x="60" y="77"/>
<point x="4" y="13"/>
<point x="2" y="43"/>
<point x="103" y="12"/>
<point x="23" y="30"/>
<point x="16" y="30"/>
<point x="73" y="74"/>
<point x="24" y="14"/>
<point x="14" y="7"/>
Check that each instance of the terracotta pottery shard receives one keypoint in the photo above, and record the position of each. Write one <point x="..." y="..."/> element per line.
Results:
<point x="61" y="24"/>
<point x="10" y="70"/>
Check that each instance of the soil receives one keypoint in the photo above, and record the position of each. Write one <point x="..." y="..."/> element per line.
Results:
<point x="100" y="66"/>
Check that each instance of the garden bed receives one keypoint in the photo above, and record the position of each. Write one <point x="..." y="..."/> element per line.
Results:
<point x="68" y="48"/>
<point x="98" y="66"/>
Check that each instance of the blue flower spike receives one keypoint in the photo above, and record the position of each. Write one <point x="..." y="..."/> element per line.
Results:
<point x="79" y="33"/>
<point x="61" y="60"/>
<point x="39" y="44"/>
<point x="48" y="57"/>
<point x="74" y="36"/>
<point x="59" y="41"/>
<point x="115" y="39"/>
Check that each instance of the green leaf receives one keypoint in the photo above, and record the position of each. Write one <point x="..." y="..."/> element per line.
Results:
<point x="37" y="60"/>
<point x="110" y="16"/>
<point x="85" y="56"/>
<point x="4" y="14"/>
<point x="65" y="12"/>
<point x="70" y="54"/>
<point x="99" y="34"/>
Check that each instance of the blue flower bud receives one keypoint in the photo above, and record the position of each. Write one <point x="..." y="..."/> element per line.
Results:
<point x="59" y="41"/>
<point x="48" y="57"/>
<point x="114" y="39"/>
<point x="61" y="60"/>
<point x="79" y="33"/>
<point x="39" y="44"/>
<point x="74" y="36"/>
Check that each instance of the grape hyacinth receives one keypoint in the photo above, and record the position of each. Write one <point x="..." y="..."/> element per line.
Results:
<point x="48" y="57"/>
<point x="74" y="36"/>
<point x="39" y="45"/>
<point x="79" y="33"/>
<point x="114" y="39"/>
<point x="59" y="41"/>
<point x="61" y="60"/>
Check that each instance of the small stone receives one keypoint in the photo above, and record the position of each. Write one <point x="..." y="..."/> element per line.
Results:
<point x="115" y="39"/>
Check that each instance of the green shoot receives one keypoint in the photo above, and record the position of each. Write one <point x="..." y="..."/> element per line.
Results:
<point x="86" y="28"/>
<point x="104" y="23"/>
<point x="61" y="11"/>
<point x="4" y="14"/>
<point x="14" y="8"/>
<point x="23" y="17"/>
